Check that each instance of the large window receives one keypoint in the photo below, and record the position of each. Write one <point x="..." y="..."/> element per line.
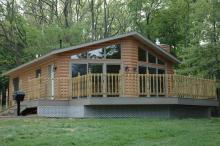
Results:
<point x="151" y="58"/>
<point x="142" y="54"/>
<point x="160" y="62"/>
<point x="79" y="68"/>
<point x="79" y="56"/>
<point x="96" y="68"/>
<point x="152" y="70"/>
<point x="113" y="52"/>
<point x="142" y="70"/>
<point x="96" y="54"/>
<point x="109" y="52"/>
<point x="16" y="84"/>
<point x="38" y="73"/>
<point x="161" y="71"/>
<point x="113" y="68"/>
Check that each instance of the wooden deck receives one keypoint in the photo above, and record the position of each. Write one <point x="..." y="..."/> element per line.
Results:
<point x="119" y="107"/>
<point x="117" y="85"/>
<point x="122" y="107"/>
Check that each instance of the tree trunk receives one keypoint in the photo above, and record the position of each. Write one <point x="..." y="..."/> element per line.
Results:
<point x="105" y="20"/>
<point x="92" y="19"/>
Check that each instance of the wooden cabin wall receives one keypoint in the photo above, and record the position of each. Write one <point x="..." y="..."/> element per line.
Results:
<point x="29" y="73"/>
<point x="129" y="59"/>
<point x="130" y="65"/>
<point x="62" y="61"/>
<point x="63" y="67"/>
<point x="130" y="62"/>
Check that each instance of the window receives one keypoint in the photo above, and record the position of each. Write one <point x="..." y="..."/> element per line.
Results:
<point x="113" y="68"/>
<point x="160" y="61"/>
<point x="16" y="84"/>
<point x="161" y="71"/>
<point x="142" y="70"/>
<point x="95" y="68"/>
<point x="38" y="73"/>
<point x="151" y="58"/>
<point x="152" y="70"/>
<point x="79" y="68"/>
<point x="79" y="56"/>
<point x="142" y="54"/>
<point x="109" y="52"/>
<point x="113" y="52"/>
<point x="96" y="54"/>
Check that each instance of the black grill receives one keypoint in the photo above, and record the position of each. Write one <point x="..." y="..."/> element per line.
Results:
<point x="18" y="96"/>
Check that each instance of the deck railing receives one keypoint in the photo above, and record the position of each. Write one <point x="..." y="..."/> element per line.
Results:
<point x="96" y="85"/>
<point x="186" y="86"/>
<point x="114" y="85"/>
<point x="152" y="84"/>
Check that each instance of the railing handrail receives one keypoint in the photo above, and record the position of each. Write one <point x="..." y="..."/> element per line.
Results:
<point x="116" y="84"/>
<point x="192" y="77"/>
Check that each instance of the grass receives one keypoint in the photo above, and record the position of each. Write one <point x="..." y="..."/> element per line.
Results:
<point x="110" y="132"/>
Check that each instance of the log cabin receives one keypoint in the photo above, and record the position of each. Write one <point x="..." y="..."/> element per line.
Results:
<point x="121" y="76"/>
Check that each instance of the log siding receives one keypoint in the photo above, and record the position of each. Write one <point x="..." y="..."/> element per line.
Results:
<point x="62" y="61"/>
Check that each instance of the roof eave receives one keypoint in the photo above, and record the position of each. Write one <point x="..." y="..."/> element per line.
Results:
<point x="168" y="55"/>
<point x="26" y="64"/>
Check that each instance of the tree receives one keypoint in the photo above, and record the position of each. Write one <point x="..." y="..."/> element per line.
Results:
<point x="190" y="27"/>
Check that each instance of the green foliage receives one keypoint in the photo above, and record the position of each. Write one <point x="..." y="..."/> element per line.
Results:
<point x="190" y="27"/>
<point x="202" y="61"/>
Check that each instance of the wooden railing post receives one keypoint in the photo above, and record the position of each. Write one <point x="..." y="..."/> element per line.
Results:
<point x="74" y="87"/>
<point x="170" y="85"/>
<point x="89" y="84"/>
<point x="104" y="78"/>
<point x="156" y="79"/>
<point x="121" y="84"/>
<point x="78" y="85"/>
<point x="148" y="88"/>
<point x="70" y="88"/>
<point x="137" y="78"/>
<point x="166" y="85"/>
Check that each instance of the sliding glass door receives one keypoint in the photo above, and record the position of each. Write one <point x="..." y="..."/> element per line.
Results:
<point x="112" y="68"/>
<point x="84" y="68"/>
<point x="103" y="82"/>
<point x="95" y="68"/>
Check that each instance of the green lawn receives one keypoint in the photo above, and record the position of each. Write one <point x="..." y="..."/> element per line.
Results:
<point x="112" y="132"/>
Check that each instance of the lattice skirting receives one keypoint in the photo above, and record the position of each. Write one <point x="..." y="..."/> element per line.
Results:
<point x="83" y="111"/>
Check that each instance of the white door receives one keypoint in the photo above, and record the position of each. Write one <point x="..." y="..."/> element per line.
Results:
<point x="51" y="75"/>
